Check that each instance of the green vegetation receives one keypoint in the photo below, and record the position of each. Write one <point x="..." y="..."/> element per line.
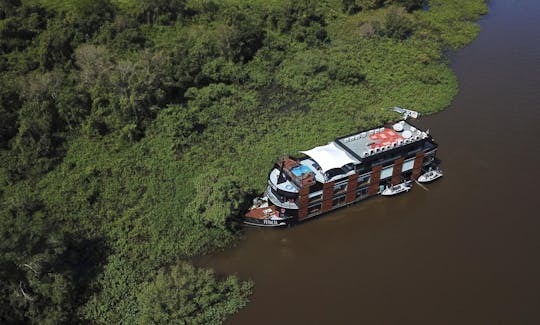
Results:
<point x="132" y="132"/>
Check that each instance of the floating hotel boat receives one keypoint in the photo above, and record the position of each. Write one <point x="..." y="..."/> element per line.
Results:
<point x="345" y="171"/>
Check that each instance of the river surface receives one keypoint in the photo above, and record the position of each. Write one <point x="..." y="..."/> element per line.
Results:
<point x="465" y="252"/>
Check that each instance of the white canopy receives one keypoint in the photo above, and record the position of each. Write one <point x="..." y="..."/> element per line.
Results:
<point x="330" y="157"/>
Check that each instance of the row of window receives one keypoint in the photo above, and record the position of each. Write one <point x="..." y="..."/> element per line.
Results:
<point x="337" y="201"/>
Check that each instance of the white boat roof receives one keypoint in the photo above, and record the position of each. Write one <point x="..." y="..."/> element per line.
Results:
<point x="374" y="141"/>
<point x="330" y="156"/>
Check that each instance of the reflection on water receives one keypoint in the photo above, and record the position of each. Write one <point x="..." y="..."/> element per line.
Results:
<point x="466" y="251"/>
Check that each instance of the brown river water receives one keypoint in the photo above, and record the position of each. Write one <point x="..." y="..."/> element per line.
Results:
<point x="465" y="252"/>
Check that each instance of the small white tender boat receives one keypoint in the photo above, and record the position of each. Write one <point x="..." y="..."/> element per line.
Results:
<point x="396" y="189"/>
<point x="430" y="176"/>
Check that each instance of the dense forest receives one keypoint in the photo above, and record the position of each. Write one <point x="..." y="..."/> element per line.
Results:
<point x="132" y="132"/>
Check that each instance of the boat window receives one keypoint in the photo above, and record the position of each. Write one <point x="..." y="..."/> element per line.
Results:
<point x="363" y="177"/>
<point x="314" y="208"/>
<point x="428" y="145"/>
<point x="361" y="192"/>
<point x="333" y="172"/>
<point x="315" y="187"/>
<point x="338" y="200"/>
<point x="340" y="187"/>
<point x="347" y="168"/>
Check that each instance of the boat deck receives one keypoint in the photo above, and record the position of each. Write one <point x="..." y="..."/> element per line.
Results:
<point x="370" y="142"/>
<point x="384" y="138"/>
<point x="262" y="213"/>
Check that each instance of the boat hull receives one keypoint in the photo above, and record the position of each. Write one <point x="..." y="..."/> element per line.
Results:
<point x="405" y="190"/>
<point x="265" y="222"/>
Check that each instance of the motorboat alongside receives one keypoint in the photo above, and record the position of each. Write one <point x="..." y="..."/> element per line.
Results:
<point x="396" y="189"/>
<point x="430" y="176"/>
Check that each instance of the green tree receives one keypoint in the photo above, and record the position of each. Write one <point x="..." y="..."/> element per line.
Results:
<point x="302" y="19"/>
<point x="161" y="12"/>
<point x="20" y="23"/>
<point x="35" y="143"/>
<point x="10" y="102"/>
<point x="396" y="24"/>
<point x="217" y="199"/>
<point x="185" y="295"/>
<point x="31" y="290"/>
<point x="354" y="6"/>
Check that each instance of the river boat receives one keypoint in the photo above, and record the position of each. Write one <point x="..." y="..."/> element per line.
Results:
<point x="430" y="176"/>
<point x="347" y="170"/>
<point x="396" y="189"/>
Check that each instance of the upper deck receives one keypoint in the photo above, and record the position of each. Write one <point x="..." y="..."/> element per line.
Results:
<point x="368" y="143"/>
<point x="348" y="155"/>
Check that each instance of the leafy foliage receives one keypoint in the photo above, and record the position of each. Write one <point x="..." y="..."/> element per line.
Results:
<point x="183" y="292"/>
<point x="133" y="133"/>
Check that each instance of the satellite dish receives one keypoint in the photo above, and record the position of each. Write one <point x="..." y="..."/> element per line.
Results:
<point x="398" y="127"/>
<point x="406" y="134"/>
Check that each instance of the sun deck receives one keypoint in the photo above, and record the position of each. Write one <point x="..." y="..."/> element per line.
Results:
<point x="367" y="143"/>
